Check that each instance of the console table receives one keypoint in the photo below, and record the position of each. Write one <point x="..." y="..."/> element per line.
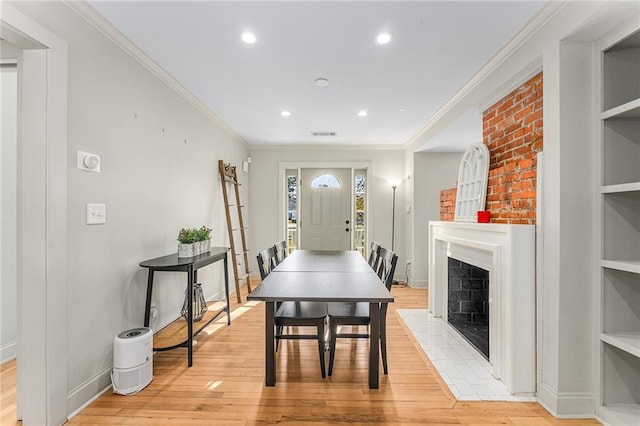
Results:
<point x="190" y="265"/>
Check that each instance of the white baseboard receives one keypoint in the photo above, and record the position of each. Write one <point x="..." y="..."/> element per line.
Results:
<point x="8" y="352"/>
<point x="88" y="391"/>
<point x="567" y="405"/>
<point x="419" y="284"/>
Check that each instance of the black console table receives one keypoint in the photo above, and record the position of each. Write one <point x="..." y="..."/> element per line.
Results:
<point x="190" y="265"/>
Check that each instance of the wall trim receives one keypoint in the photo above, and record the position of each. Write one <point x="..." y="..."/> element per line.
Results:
<point x="565" y="405"/>
<point x="419" y="284"/>
<point x="283" y="166"/>
<point x="42" y="227"/>
<point x="548" y="11"/>
<point x="89" y="14"/>
<point x="8" y="352"/>
<point x="79" y="398"/>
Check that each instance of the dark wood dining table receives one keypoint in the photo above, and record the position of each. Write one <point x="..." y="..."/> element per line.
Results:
<point x="323" y="276"/>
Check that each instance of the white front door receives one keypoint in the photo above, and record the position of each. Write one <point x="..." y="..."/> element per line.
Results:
<point x="325" y="209"/>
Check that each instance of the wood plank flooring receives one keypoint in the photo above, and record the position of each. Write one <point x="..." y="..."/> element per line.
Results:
<point x="225" y="386"/>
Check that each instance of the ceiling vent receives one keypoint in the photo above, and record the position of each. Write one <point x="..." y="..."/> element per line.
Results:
<point x="323" y="133"/>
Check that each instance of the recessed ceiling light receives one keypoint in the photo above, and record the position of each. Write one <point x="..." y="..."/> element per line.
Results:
<point x="362" y="113"/>
<point x="383" y="38"/>
<point x="321" y="82"/>
<point x="248" y="37"/>
<point x="285" y="113"/>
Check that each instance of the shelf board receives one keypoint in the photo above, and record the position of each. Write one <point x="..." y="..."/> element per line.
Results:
<point x="622" y="187"/>
<point x="628" y="341"/>
<point x="622" y="265"/>
<point x="619" y="414"/>
<point x="175" y="334"/>
<point x="629" y="110"/>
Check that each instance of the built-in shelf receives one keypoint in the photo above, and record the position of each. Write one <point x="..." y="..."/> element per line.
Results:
<point x="629" y="110"/>
<point x="622" y="187"/>
<point x="618" y="335"/>
<point x="622" y="265"/>
<point x="628" y="342"/>
<point x="621" y="226"/>
<point x="620" y="414"/>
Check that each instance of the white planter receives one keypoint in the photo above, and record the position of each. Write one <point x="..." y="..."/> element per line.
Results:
<point x="205" y="246"/>
<point x="188" y="250"/>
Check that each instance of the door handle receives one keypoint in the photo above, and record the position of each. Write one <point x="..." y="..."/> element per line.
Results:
<point x="347" y="229"/>
<point x="346" y="221"/>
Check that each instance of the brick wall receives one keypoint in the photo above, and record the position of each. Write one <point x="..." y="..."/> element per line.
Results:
<point x="512" y="130"/>
<point x="448" y="204"/>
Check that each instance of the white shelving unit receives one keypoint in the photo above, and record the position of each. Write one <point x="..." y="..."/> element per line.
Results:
<point x="619" y="333"/>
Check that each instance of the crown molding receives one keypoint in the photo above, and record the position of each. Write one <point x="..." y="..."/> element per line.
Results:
<point x="89" y="14"/>
<point x="548" y="11"/>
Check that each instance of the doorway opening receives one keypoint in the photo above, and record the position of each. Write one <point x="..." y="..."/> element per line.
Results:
<point x="326" y="208"/>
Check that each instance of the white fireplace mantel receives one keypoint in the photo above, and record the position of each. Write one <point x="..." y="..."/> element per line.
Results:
<point x="508" y="253"/>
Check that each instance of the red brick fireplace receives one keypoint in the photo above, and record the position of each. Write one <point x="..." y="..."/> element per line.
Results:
<point x="512" y="130"/>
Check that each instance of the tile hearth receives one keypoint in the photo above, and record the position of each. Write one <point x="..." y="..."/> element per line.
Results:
<point x="463" y="369"/>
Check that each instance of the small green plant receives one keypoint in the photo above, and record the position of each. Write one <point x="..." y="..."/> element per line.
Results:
<point x="192" y="235"/>
<point x="203" y="233"/>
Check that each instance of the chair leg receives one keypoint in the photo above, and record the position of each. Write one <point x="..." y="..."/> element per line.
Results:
<point x="333" y="329"/>
<point x="321" y="348"/>
<point x="278" y="333"/>
<point x="383" y="342"/>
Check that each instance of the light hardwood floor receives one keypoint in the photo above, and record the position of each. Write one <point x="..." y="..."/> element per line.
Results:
<point x="225" y="386"/>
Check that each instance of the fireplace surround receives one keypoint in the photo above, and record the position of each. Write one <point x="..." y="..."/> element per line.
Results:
<point x="508" y="253"/>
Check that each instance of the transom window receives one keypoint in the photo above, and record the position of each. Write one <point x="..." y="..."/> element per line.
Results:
<point x="325" y="181"/>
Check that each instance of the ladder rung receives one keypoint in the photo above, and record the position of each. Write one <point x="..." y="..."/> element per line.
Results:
<point x="243" y="252"/>
<point x="229" y="180"/>
<point x="238" y="229"/>
<point x="235" y="205"/>
<point x="245" y="276"/>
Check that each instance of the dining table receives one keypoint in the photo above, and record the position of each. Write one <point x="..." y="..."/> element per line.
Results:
<point x="322" y="276"/>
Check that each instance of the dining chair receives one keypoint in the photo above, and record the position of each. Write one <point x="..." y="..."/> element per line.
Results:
<point x="267" y="261"/>
<point x="373" y="255"/>
<point x="281" y="251"/>
<point x="295" y="314"/>
<point x="357" y="314"/>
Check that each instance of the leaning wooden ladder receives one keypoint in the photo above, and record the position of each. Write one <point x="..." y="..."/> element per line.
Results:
<point x="228" y="176"/>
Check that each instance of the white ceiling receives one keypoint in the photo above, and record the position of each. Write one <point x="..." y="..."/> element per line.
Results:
<point x="436" y="47"/>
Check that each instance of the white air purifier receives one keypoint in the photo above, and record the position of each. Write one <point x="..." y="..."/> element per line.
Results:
<point x="132" y="360"/>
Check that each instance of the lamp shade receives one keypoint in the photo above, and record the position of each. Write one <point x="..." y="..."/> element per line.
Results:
<point x="394" y="182"/>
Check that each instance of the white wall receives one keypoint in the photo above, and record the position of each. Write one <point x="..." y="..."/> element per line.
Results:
<point x="8" y="206"/>
<point x="433" y="172"/>
<point x="158" y="174"/>
<point x="263" y="194"/>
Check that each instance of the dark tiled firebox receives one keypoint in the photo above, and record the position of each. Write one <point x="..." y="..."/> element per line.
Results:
<point x="468" y="303"/>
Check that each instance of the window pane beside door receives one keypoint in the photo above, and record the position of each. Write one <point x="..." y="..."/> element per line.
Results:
<point x="359" y="234"/>
<point x="292" y="211"/>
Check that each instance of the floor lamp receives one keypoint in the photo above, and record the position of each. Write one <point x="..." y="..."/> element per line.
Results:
<point x="394" y="184"/>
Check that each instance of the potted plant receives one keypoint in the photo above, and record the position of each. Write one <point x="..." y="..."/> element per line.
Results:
<point x="203" y="236"/>
<point x="194" y="241"/>
<point x="187" y="239"/>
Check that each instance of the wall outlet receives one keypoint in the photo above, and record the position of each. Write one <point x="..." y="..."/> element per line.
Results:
<point x="154" y="310"/>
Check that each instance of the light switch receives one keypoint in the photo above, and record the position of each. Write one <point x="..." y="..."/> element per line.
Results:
<point x="96" y="214"/>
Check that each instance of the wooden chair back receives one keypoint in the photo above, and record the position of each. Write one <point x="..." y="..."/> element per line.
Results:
<point x="281" y="251"/>
<point x="373" y="255"/>
<point x="386" y="266"/>
<point x="266" y="261"/>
